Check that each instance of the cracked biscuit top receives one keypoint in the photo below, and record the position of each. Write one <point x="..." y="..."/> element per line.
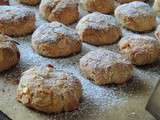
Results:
<point x="49" y="90"/>
<point x="52" y="32"/>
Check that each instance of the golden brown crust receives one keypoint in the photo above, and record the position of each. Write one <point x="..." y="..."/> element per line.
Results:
<point x="49" y="90"/>
<point x="17" y="29"/>
<point x="56" y="40"/>
<point x="9" y="53"/>
<point x="141" y="50"/>
<point x="64" y="11"/>
<point x="103" y="6"/>
<point x="136" y="16"/>
<point x="101" y="37"/>
<point x="29" y="2"/>
<point x="106" y="67"/>
<point x="16" y="21"/>
<point x="98" y="29"/>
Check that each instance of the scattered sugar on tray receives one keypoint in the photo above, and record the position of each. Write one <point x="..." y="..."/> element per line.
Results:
<point x="96" y="99"/>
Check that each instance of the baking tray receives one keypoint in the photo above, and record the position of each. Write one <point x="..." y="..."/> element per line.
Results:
<point x="110" y="102"/>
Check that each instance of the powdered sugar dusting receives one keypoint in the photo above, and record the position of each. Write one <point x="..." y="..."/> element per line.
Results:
<point x="136" y="8"/>
<point x="140" y="41"/>
<point x="97" y="21"/>
<point x="59" y="5"/>
<point x="51" y="32"/>
<point x="14" y="13"/>
<point x="111" y="102"/>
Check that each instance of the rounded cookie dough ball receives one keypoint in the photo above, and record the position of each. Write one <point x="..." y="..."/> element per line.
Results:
<point x="56" y="40"/>
<point x="106" y="67"/>
<point x="9" y="53"/>
<point x="29" y="2"/>
<point x="16" y="21"/>
<point x="103" y="6"/>
<point x="141" y="50"/>
<point x="136" y="16"/>
<point x="98" y="29"/>
<point x="64" y="11"/>
<point x="49" y="90"/>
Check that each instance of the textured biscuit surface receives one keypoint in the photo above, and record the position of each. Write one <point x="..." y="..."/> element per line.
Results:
<point x="56" y="40"/>
<point x="64" y="11"/>
<point x="98" y="29"/>
<point x="9" y="53"/>
<point x="49" y="90"/>
<point x="16" y="21"/>
<point x="139" y="49"/>
<point x="106" y="67"/>
<point x="103" y="6"/>
<point x="136" y="16"/>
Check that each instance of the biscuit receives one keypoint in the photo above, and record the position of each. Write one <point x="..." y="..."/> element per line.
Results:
<point x="29" y="2"/>
<point x="136" y="16"/>
<point x="103" y="6"/>
<point x="49" y="90"/>
<point x="98" y="29"/>
<point x="9" y="53"/>
<point x="140" y="50"/>
<point x="106" y="67"/>
<point x="64" y="11"/>
<point x="16" y="21"/>
<point x="56" y="40"/>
